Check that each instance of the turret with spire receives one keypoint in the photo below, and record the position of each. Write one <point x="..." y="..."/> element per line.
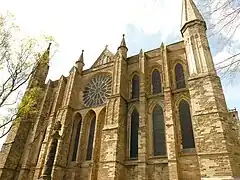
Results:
<point x="80" y="63"/>
<point x="215" y="141"/>
<point x="40" y="71"/>
<point x="193" y="29"/>
<point x="123" y="48"/>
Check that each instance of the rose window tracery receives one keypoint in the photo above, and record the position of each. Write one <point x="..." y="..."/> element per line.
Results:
<point x="97" y="90"/>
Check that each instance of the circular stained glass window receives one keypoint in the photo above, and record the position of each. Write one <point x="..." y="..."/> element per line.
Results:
<point x="97" y="90"/>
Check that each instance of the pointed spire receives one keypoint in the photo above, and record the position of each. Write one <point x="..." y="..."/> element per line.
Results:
<point x="190" y="13"/>
<point x="141" y="54"/>
<point x="162" y="46"/>
<point x="79" y="63"/>
<point x="49" y="46"/>
<point x="81" y="57"/>
<point x="123" y="43"/>
<point x="47" y="52"/>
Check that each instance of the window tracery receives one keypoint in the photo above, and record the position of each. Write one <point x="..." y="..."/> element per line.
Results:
<point x="97" y="91"/>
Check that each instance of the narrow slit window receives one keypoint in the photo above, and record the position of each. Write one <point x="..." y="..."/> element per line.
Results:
<point x="159" y="143"/>
<point x="186" y="125"/>
<point x="91" y="139"/>
<point x="179" y="76"/>
<point x="76" y="141"/>
<point x="156" y="82"/>
<point x="134" y="134"/>
<point x="135" y="86"/>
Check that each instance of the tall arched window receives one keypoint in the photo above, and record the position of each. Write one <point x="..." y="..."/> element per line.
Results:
<point x="156" y="82"/>
<point x="186" y="125"/>
<point x="159" y="143"/>
<point x="134" y="134"/>
<point x="135" y="86"/>
<point x="76" y="135"/>
<point x="179" y="76"/>
<point x="91" y="139"/>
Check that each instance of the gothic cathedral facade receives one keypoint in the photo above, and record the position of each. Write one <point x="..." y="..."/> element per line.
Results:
<point x="157" y="115"/>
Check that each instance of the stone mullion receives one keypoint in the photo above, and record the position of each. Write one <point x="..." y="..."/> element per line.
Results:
<point x="171" y="140"/>
<point x="142" y="131"/>
<point x="142" y="140"/>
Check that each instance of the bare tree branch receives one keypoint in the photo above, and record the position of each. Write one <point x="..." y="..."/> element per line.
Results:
<point x="19" y="60"/>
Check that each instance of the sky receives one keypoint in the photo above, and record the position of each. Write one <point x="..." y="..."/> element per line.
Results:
<point x="93" y="24"/>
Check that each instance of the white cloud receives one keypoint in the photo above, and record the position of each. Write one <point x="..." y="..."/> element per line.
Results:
<point x="91" y="24"/>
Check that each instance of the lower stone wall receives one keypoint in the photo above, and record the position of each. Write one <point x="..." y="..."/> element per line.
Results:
<point x="78" y="173"/>
<point x="158" y="172"/>
<point x="189" y="167"/>
<point x="131" y="172"/>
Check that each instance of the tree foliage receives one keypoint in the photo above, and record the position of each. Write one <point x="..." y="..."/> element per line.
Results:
<point x="19" y="58"/>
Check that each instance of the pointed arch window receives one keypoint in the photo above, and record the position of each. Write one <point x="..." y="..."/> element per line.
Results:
<point x="91" y="139"/>
<point x="134" y="134"/>
<point x="156" y="82"/>
<point x="158" y="125"/>
<point x="186" y="125"/>
<point x="135" y="86"/>
<point x="179" y="76"/>
<point x="76" y="136"/>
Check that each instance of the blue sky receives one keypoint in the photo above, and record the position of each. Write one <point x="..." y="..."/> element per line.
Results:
<point x="92" y="24"/>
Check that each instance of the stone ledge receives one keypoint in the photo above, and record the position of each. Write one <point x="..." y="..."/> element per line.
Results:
<point x="213" y="153"/>
<point x="110" y="127"/>
<point x="221" y="178"/>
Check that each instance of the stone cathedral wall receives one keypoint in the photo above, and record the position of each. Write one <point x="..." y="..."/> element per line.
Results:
<point x="67" y="103"/>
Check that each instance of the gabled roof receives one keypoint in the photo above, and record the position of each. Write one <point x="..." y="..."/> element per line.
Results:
<point x="190" y="12"/>
<point x="105" y="57"/>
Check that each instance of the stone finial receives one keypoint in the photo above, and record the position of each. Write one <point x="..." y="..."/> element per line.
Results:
<point x="81" y="57"/>
<point x="141" y="53"/>
<point x="190" y="13"/>
<point x="123" y="42"/>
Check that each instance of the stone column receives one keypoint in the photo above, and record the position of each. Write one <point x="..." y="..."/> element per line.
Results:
<point x="52" y="152"/>
<point x="170" y="128"/>
<point x="170" y="135"/>
<point x="112" y="152"/>
<point x="142" y="132"/>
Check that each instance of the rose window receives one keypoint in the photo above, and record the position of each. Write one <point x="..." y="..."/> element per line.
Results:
<point x="97" y="91"/>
